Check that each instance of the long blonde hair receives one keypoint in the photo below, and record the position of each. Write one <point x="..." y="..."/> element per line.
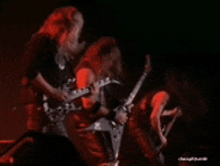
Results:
<point x="62" y="19"/>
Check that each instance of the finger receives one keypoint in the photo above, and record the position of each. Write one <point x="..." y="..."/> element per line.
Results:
<point x="64" y="97"/>
<point x="65" y="93"/>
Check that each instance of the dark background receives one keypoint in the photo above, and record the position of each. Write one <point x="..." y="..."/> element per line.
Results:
<point x="178" y="35"/>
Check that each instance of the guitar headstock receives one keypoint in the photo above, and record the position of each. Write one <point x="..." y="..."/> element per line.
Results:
<point x="148" y="63"/>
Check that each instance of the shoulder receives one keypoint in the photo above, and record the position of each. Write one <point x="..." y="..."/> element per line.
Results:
<point x="84" y="72"/>
<point x="85" y="76"/>
<point x="41" y="43"/>
<point x="84" y="64"/>
<point x="160" y="97"/>
<point x="39" y="39"/>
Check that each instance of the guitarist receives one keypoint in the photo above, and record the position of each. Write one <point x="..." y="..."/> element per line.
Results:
<point x="52" y="50"/>
<point x="145" y="123"/>
<point x="102" y="59"/>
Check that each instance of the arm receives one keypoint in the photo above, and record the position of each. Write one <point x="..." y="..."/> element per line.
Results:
<point x="85" y="77"/>
<point x="158" y="103"/>
<point x="49" y="90"/>
<point x="42" y="50"/>
<point x="173" y="112"/>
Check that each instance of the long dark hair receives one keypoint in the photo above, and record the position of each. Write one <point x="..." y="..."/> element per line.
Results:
<point x="104" y="52"/>
<point x="183" y="92"/>
<point x="184" y="89"/>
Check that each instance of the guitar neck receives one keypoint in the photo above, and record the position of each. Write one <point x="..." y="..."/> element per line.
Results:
<point x="78" y="93"/>
<point x="136" y="89"/>
<point x="170" y="126"/>
<point x="81" y="92"/>
<point x="139" y="83"/>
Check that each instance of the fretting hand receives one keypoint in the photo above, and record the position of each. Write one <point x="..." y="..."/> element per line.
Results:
<point x="164" y="141"/>
<point x="178" y="112"/>
<point x="121" y="116"/>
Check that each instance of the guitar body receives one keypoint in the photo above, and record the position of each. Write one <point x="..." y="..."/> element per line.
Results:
<point x="115" y="130"/>
<point x="57" y="111"/>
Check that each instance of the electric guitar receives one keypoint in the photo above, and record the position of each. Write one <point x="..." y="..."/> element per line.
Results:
<point x="167" y="128"/>
<point x="56" y="111"/>
<point x="115" y="129"/>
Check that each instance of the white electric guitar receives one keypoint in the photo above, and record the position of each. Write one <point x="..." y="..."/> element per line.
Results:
<point x="115" y="129"/>
<point x="56" y="111"/>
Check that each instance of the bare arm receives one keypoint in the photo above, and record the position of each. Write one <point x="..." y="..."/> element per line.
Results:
<point x="173" y="112"/>
<point x="85" y="77"/>
<point x="158" y="103"/>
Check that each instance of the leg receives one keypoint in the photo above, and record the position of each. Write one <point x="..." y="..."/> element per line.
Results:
<point x="35" y="120"/>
